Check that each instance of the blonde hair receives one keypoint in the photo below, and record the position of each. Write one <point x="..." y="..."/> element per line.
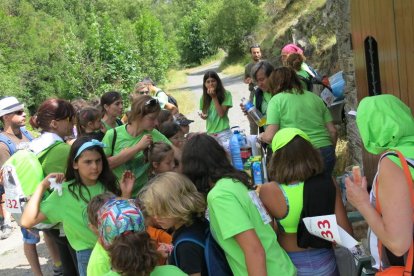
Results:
<point x="173" y="195"/>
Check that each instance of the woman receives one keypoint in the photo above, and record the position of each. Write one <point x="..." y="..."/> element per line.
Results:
<point x="291" y="106"/>
<point x="299" y="189"/>
<point x="385" y="123"/>
<point x="111" y="104"/>
<point x="237" y="222"/>
<point x="54" y="118"/>
<point x="215" y="104"/>
<point x="126" y="143"/>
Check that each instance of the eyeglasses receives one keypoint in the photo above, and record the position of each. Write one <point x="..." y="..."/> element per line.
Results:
<point x="19" y="112"/>
<point x="152" y="102"/>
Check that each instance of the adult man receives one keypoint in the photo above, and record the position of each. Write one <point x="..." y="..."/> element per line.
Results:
<point x="15" y="137"/>
<point x="256" y="55"/>
<point x="158" y="93"/>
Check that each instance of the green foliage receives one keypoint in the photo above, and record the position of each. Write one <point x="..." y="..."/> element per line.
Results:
<point x="231" y="22"/>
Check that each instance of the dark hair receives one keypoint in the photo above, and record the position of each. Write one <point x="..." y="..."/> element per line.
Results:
<point x="169" y="129"/>
<point x="204" y="161"/>
<point x="298" y="160"/>
<point x="141" y="107"/>
<point x="109" y="98"/>
<point x="265" y="65"/>
<point x="107" y="177"/>
<point x="254" y="46"/>
<point x="95" y="204"/>
<point x="295" y="61"/>
<point x="49" y="110"/>
<point x="84" y="116"/>
<point x="156" y="152"/>
<point x="219" y="90"/>
<point x="133" y="254"/>
<point x="148" y="80"/>
<point x="164" y="116"/>
<point x="284" y="79"/>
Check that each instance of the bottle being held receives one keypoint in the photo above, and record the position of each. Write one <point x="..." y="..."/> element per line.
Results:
<point x="255" y="114"/>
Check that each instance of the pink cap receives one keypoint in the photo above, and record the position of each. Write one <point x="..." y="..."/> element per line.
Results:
<point x="291" y="48"/>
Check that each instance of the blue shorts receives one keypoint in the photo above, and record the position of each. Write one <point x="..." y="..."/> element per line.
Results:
<point x="30" y="236"/>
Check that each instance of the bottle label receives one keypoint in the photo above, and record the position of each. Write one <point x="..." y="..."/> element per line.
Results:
<point x="248" y="106"/>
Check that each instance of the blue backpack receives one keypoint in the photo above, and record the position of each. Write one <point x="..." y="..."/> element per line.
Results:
<point x="9" y="143"/>
<point x="215" y="258"/>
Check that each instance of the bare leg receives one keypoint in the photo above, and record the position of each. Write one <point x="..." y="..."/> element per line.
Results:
<point x="31" y="255"/>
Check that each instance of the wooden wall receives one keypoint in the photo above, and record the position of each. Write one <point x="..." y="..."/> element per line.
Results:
<point x="391" y="24"/>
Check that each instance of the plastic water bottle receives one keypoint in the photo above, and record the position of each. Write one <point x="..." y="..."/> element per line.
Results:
<point x="255" y="114"/>
<point x="257" y="173"/>
<point x="235" y="152"/>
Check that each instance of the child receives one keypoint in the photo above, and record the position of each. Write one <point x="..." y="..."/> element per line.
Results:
<point x="160" y="156"/>
<point x="215" y="104"/>
<point x="300" y="189"/>
<point x="183" y="122"/>
<point x="174" y="202"/>
<point x="237" y="221"/>
<point x="88" y="123"/>
<point x="165" y="116"/>
<point x="173" y="132"/>
<point x="88" y="174"/>
<point x="99" y="262"/>
<point x="131" y="251"/>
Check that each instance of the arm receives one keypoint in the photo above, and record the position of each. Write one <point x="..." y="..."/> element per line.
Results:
<point x="340" y="212"/>
<point x="128" y="153"/>
<point x="171" y="107"/>
<point x="395" y="227"/>
<point x="269" y="133"/>
<point x="273" y="200"/>
<point x="333" y="133"/>
<point x="32" y="215"/>
<point x="221" y="109"/>
<point x="254" y="253"/>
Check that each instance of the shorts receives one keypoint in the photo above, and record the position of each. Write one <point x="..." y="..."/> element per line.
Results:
<point x="30" y="236"/>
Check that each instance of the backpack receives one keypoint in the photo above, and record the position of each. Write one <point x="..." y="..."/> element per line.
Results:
<point x="9" y="143"/>
<point x="215" y="258"/>
<point x="22" y="173"/>
<point x="171" y="99"/>
<point x="314" y="78"/>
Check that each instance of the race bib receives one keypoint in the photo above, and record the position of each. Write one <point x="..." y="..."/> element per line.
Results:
<point x="12" y="204"/>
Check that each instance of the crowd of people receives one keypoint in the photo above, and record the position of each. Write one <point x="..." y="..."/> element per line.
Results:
<point x="140" y="193"/>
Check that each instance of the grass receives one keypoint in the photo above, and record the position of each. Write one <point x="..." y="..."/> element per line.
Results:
<point x="175" y="78"/>
<point x="233" y="69"/>
<point x="187" y="103"/>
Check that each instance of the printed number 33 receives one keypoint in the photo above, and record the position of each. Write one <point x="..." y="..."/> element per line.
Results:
<point x="325" y="225"/>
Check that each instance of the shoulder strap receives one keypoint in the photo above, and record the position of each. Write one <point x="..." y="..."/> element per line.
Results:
<point x="113" y="142"/>
<point x="186" y="238"/>
<point x="8" y="142"/>
<point x="26" y="133"/>
<point x="404" y="162"/>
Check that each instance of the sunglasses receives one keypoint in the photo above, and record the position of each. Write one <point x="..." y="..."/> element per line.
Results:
<point x="19" y="112"/>
<point x="151" y="102"/>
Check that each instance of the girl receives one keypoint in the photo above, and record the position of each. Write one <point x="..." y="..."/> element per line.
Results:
<point x="54" y="118"/>
<point x="160" y="156"/>
<point x="174" y="133"/>
<point x="240" y="226"/>
<point x="111" y="104"/>
<point x="174" y="202"/>
<point x="87" y="175"/>
<point x="164" y="116"/>
<point x="300" y="189"/>
<point x="88" y="123"/>
<point x="130" y="141"/>
<point x="132" y="252"/>
<point x="215" y="103"/>
<point x="291" y="106"/>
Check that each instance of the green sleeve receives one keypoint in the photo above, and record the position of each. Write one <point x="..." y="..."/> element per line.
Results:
<point x="107" y="140"/>
<point x="273" y="112"/>
<point x="159" y="137"/>
<point x="48" y="208"/>
<point x="55" y="160"/>
<point x="201" y="103"/>
<point x="228" y="100"/>
<point x="229" y="216"/>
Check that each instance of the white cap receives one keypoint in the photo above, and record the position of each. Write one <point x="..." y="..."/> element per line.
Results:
<point x="9" y="105"/>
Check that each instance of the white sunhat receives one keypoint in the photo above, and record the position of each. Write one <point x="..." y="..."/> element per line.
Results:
<point x="9" y="105"/>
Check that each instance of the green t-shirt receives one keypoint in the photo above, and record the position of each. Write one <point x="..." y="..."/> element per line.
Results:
<point x="231" y="212"/>
<point x="214" y="122"/>
<point x="99" y="262"/>
<point x="304" y="111"/>
<point x="137" y="164"/>
<point x="71" y="212"/>
<point x="55" y="159"/>
<point x="162" y="270"/>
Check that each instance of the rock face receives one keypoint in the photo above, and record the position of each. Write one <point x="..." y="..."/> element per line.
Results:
<point x="324" y="34"/>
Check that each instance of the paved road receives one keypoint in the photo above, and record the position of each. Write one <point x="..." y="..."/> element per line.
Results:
<point x="232" y="83"/>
